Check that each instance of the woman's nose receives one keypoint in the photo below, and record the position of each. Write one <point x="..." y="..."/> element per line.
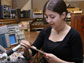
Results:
<point x="49" y="20"/>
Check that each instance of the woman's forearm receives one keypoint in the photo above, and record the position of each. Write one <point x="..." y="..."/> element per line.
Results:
<point x="54" y="59"/>
<point x="58" y="60"/>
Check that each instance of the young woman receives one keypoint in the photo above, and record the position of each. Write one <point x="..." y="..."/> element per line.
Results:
<point x="61" y="42"/>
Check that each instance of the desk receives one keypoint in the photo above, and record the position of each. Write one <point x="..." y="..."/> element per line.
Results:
<point x="31" y="36"/>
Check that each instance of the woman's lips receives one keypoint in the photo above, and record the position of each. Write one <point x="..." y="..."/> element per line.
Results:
<point x="51" y="24"/>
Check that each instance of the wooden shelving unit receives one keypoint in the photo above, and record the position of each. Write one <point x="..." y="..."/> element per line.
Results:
<point x="13" y="21"/>
<point x="7" y="21"/>
<point x="77" y="22"/>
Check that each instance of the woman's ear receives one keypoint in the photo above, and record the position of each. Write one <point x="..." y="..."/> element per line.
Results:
<point x="63" y="15"/>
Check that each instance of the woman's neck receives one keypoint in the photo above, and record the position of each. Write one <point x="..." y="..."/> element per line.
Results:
<point x="61" y="28"/>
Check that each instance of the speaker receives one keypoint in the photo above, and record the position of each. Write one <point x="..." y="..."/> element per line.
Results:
<point x="18" y="12"/>
<point x="1" y="11"/>
<point x="26" y="13"/>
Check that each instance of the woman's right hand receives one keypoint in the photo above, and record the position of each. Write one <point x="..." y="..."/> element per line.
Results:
<point x="26" y="48"/>
<point x="25" y="43"/>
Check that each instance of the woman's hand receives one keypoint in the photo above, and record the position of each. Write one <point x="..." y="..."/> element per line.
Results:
<point x="25" y="43"/>
<point x="51" y="58"/>
<point x="26" y="48"/>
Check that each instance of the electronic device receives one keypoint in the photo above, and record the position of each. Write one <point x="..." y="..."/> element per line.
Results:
<point x="3" y="29"/>
<point x="10" y="35"/>
<point x="9" y="52"/>
<point x="12" y="56"/>
<point x="19" y="60"/>
<point x="2" y="49"/>
<point x="6" y="40"/>
<point x="25" y="14"/>
<point x="4" y="11"/>
<point x="1" y="11"/>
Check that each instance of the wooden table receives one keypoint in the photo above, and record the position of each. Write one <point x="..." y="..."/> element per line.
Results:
<point x="31" y="36"/>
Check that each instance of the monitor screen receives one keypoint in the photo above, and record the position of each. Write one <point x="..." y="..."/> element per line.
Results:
<point x="12" y="39"/>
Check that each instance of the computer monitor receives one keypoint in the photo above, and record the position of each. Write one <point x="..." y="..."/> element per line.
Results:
<point x="12" y="39"/>
<point x="10" y="35"/>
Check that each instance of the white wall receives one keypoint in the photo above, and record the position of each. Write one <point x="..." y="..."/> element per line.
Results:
<point x="73" y="0"/>
<point x="6" y="2"/>
<point x="22" y="4"/>
<point x="27" y="5"/>
<point x="39" y="4"/>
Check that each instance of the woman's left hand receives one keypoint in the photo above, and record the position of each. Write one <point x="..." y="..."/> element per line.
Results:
<point x="51" y="58"/>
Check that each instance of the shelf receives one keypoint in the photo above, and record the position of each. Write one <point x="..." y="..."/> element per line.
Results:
<point x="39" y="26"/>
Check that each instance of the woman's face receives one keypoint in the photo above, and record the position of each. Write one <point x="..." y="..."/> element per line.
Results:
<point x="54" y="19"/>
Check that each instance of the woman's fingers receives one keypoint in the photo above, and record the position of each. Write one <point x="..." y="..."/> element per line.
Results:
<point x="25" y="43"/>
<point x="48" y="56"/>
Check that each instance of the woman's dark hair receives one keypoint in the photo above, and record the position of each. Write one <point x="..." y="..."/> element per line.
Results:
<point x="58" y="6"/>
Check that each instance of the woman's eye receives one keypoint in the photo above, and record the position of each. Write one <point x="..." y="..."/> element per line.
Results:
<point x="52" y="17"/>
